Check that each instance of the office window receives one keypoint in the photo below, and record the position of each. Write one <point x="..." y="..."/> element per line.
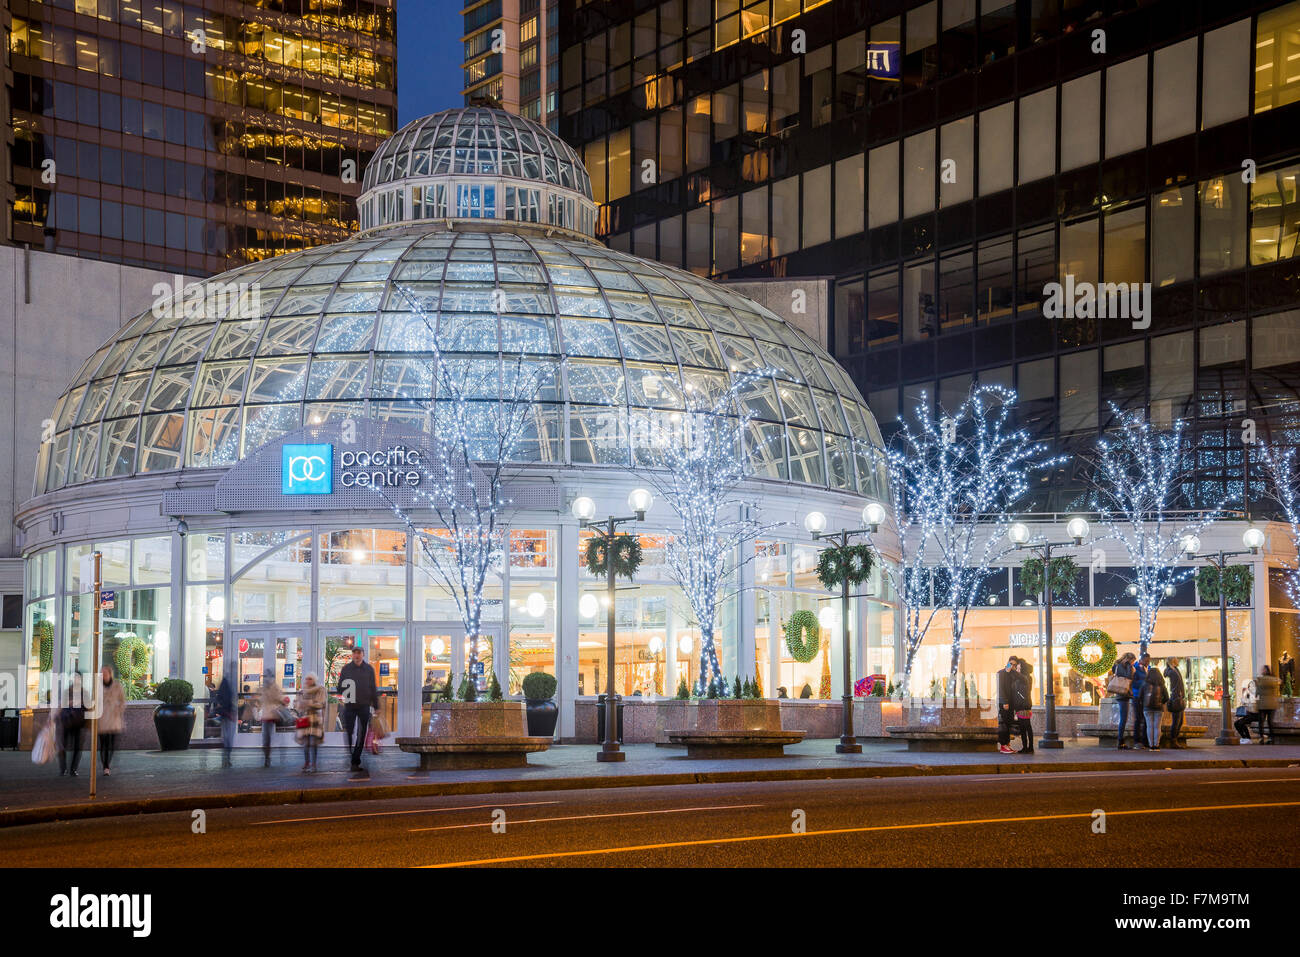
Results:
<point x="1079" y="251"/>
<point x="1225" y="80"/>
<point x="1277" y="58"/>
<point x="1038" y="135"/>
<point x="995" y="292"/>
<point x="1124" y="376"/>
<point x="1125" y="243"/>
<point x="785" y="96"/>
<point x="997" y="29"/>
<point x="1173" y="91"/>
<point x="849" y="189"/>
<point x="670" y="241"/>
<point x="785" y="216"/>
<point x="1173" y="236"/>
<point x="1081" y="121"/>
<point x="851" y="74"/>
<point x="1222" y="204"/>
<point x="958" y="41"/>
<point x="1079" y="392"/>
<point x="593" y="157"/>
<point x="956" y="290"/>
<point x="698" y="241"/>
<point x="1171" y="378"/>
<point x="882" y="200"/>
<point x="817" y="71"/>
<point x="1126" y="107"/>
<point x="698" y="135"/>
<point x="918" y="174"/>
<point x="755" y="102"/>
<point x="1275" y="340"/>
<point x="882" y="312"/>
<point x="920" y="317"/>
<point x="1274" y="215"/>
<point x="850" y="317"/>
<point x="726" y="121"/>
<point x="1036" y="266"/>
<point x="997" y="140"/>
<point x="957" y="143"/>
<point x="754" y="245"/>
<point x="887" y="31"/>
<point x="670" y="144"/>
<point x="725" y="247"/>
<point x="645" y="156"/>
<point x="817" y="206"/>
<point x="920" y="54"/>
<point x="1036" y="392"/>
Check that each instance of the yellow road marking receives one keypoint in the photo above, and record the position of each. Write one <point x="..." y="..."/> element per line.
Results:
<point x="584" y="817"/>
<point x="419" y="810"/>
<point x="857" y="830"/>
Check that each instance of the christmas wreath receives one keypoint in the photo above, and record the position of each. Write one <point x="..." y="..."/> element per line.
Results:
<point x="132" y="657"/>
<point x="626" y="556"/>
<point x="1091" y="636"/>
<point x="1238" y="581"/>
<point x="851" y="563"/>
<point x="1062" y="574"/>
<point x="803" y="635"/>
<point x="43" y="632"/>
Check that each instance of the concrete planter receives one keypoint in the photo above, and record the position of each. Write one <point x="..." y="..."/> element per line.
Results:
<point x="724" y="715"/>
<point x="138" y="732"/>
<point x="470" y="719"/>
<point x="952" y="713"/>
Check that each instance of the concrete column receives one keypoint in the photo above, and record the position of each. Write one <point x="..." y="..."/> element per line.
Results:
<point x="746" y="625"/>
<point x="670" y="651"/>
<point x="566" y="627"/>
<point x="1259" y="630"/>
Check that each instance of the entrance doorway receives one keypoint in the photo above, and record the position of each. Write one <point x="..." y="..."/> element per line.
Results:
<point x="279" y="650"/>
<point x="382" y="646"/>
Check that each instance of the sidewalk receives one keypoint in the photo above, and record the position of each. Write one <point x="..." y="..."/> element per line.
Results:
<point x="146" y="782"/>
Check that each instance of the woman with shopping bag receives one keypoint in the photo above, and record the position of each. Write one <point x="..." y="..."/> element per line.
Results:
<point x="310" y="724"/>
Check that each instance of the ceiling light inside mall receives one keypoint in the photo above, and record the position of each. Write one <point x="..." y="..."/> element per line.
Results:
<point x="535" y="604"/>
<point x="437" y="647"/>
<point x="358" y="555"/>
<point x="829" y="616"/>
<point x="588" y="605"/>
<point x="216" y="608"/>
<point x="684" y="643"/>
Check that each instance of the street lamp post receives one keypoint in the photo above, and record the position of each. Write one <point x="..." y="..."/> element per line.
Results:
<point x="1253" y="539"/>
<point x="873" y="514"/>
<point x="1077" y="529"/>
<point x="584" y="509"/>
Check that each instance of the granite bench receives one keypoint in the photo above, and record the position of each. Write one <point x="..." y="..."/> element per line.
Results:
<point x="735" y="744"/>
<point x="467" y="753"/>
<point x="1103" y="732"/>
<point x="927" y="737"/>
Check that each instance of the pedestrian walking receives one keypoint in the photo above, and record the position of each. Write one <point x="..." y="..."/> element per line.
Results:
<point x="112" y="717"/>
<point x="1140" y="669"/>
<point x="360" y="696"/>
<point x="1120" y="684"/>
<point x="223" y="706"/>
<point x="1267" y="700"/>
<point x="72" y="718"/>
<point x="1177" y="687"/>
<point x="311" y="723"/>
<point x="1155" y="696"/>
<point x="272" y="698"/>
<point x="1025" y="705"/>
<point x="1008" y="687"/>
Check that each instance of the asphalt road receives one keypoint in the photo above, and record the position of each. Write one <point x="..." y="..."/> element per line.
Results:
<point x="1245" y="817"/>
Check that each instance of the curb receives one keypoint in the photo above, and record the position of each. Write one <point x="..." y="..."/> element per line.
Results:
<point x="381" y="792"/>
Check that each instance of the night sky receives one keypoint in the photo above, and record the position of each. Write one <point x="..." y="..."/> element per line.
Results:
<point x="428" y="57"/>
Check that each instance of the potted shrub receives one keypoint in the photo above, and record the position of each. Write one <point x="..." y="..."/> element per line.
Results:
<point x="174" y="718"/>
<point x="539" y="697"/>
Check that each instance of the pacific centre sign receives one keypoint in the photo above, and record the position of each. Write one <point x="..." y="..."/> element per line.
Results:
<point x="310" y="469"/>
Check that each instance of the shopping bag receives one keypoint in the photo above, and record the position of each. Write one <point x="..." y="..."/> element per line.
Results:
<point x="43" y="748"/>
<point x="372" y="744"/>
<point x="377" y="728"/>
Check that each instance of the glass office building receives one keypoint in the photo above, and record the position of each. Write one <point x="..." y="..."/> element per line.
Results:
<point x="194" y="136"/>
<point x="512" y="57"/>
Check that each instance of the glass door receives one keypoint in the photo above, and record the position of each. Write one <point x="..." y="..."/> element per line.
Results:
<point x="382" y="649"/>
<point x="438" y="644"/>
<point x="279" y="651"/>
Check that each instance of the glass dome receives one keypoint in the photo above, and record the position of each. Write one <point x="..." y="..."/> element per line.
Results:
<point x="331" y="333"/>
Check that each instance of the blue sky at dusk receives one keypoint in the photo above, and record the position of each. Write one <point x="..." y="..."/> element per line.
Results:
<point x="428" y="57"/>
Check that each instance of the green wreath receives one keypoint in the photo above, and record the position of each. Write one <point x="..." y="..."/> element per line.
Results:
<point x="1091" y="636"/>
<point x="132" y="657"/>
<point x="43" y="632"/>
<point x="803" y="636"/>
<point x="1238" y="582"/>
<point x="851" y="563"/>
<point x="1062" y="574"/>
<point x="626" y="557"/>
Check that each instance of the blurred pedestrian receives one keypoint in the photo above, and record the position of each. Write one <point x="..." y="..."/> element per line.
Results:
<point x="72" y="718"/>
<point x="1008" y="687"/>
<point x="360" y="696"/>
<point x="223" y="706"/>
<point x="1120" y="684"/>
<point x="1154" y="698"/>
<point x="1025" y="705"/>
<point x="1177" y="700"/>
<point x="112" y="716"/>
<point x="311" y="724"/>
<point x="1267" y="700"/>
<point x="1140" y="669"/>
<point x="272" y="698"/>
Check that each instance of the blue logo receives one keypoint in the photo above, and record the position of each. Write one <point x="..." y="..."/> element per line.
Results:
<point x="882" y="60"/>
<point x="307" y="469"/>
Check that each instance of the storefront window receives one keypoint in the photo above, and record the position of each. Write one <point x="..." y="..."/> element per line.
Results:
<point x="136" y="638"/>
<point x="276" y="587"/>
<point x="362" y="575"/>
<point x="532" y="604"/>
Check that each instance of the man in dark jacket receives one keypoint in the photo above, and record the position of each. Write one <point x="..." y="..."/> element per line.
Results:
<point x="1177" y="700"/>
<point x="360" y="695"/>
<point x="1140" y="668"/>
<point x="1008" y="687"/>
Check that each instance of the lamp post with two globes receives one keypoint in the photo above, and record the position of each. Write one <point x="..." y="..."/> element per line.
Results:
<point x="1253" y="539"/>
<point x="584" y="509"/>
<point x="872" y="515"/>
<point x="1018" y="533"/>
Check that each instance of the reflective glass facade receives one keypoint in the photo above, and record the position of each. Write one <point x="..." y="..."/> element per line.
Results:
<point x="512" y="57"/>
<point x="194" y="136"/>
<point x="1004" y="153"/>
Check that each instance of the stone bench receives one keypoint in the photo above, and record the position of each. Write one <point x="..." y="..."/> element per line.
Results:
<point x="735" y="744"/>
<point x="1110" y="732"/>
<point x="935" y="737"/>
<point x="467" y="753"/>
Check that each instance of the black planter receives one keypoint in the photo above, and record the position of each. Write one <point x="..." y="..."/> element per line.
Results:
<point x="175" y="724"/>
<point x="542" y="716"/>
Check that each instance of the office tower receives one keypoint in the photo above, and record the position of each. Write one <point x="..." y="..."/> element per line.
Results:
<point x="511" y="57"/>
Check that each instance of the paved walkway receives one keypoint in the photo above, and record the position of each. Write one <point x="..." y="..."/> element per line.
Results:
<point x="154" y="781"/>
